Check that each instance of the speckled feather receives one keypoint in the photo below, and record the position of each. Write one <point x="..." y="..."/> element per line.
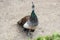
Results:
<point x="23" y="20"/>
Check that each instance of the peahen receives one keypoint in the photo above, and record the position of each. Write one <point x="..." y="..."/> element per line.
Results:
<point x="29" y="22"/>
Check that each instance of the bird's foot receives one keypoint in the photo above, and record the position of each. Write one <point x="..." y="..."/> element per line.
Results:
<point x="29" y="34"/>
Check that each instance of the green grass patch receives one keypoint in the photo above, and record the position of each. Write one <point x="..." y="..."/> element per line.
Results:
<point x="54" y="36"/>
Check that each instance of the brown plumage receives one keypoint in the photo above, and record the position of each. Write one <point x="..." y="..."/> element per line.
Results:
<point x="23" y="20"/>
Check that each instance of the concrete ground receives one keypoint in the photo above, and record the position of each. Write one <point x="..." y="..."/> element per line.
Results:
<point x="48" y="12"/>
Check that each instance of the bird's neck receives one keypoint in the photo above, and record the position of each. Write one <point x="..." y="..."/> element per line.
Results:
<point x="33" y="17"/>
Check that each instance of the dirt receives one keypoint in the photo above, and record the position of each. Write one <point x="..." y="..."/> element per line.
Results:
<point x="11" y="11"/>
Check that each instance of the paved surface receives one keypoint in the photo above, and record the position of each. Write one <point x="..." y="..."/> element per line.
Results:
<point x="48" y="12"/>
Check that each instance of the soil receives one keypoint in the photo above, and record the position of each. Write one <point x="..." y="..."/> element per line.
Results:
<point x="11" y="11"/>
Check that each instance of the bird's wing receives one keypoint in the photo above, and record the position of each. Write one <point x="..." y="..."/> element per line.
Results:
<point x="23" y="20"/>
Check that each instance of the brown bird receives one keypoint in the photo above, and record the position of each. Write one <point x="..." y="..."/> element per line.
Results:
<point x="29" y="22"/>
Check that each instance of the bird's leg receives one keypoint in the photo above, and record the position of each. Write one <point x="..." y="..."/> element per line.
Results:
<point x="29" y="34"/>
<point x="23" y="30"/>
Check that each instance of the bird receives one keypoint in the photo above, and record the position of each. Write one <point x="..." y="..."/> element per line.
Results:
<point x="29" y="22"/>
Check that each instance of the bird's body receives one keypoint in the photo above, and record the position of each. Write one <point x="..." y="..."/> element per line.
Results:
<point x="29" y="22"/>
<point x="26" y="24"/>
